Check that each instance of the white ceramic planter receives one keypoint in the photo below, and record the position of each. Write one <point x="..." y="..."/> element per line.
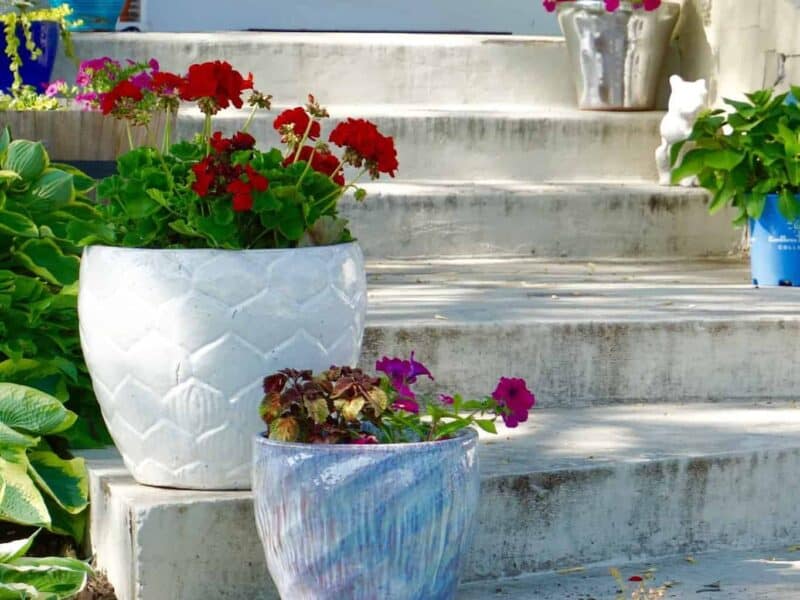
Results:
<point x="178" y="342"/>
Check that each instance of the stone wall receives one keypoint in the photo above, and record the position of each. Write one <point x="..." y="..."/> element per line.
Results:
<point x="740" y="45"/>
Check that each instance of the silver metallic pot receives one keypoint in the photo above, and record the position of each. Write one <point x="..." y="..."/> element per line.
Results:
<point x="616" y="57"/>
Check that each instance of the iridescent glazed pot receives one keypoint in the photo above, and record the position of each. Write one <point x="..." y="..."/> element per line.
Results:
<point x="178" y="343"/>
<point x="366" y="522"/>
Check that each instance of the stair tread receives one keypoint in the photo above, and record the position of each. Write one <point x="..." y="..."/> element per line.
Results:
<point x="554" y="440"/>
<point x="768" y="574"/>
<point x="519" y="290"/>
<point x="587" y="187"/>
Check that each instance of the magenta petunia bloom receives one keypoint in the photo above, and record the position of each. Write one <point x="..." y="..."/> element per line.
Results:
<point x="403" y="373"/>
<point x="445" y="399"/>
<point x="514" y="396"/>
<point x="55" y="88"/>
<point x="407" y="405"/>
<point x="365" y="440"/>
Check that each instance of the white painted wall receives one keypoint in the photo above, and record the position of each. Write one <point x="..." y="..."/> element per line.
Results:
<point x="515" y="16"/>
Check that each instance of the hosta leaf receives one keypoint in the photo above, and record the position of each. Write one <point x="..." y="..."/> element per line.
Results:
<point x="52" y="190"/>
<point x="32" y="411"/>
<point x="22" y="502"/>
<point x="16" y="224"/>
<point x="12" y="550"/>
<point x="65" y="481"/>
<point x="64" y="523"/>
<point x="46" y="578"/>
<point x="45" y="259"/>
<point x="13" y="439"/>
<point x="28" y="159"/>
<point x="80" y="180"/>
<point x="18" y="591"/>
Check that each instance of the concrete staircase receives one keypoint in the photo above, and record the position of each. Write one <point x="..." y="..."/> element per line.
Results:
<point x="521" y="237"/>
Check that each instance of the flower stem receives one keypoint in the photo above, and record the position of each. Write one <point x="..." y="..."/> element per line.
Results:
<point x="130" y="134"/>
<point x="304" y="139"/>
<point x="249" y="120"/>
<point x="308" y="167"/>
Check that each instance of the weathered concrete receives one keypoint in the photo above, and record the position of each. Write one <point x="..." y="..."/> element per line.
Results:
<point x="588" y="219"/>
<point x="492" y="142"/>
<point x="362" y="68"/>
<point x="569" y="487"/>
<point x="589" y="332"/>
<point x="770" y="574"/>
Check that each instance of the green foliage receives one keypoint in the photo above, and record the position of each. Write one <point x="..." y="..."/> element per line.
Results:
<point x="150" y="203"/>
<point x="45" y="220"/>
<point x="37" y="486"/>
<point x="54" y="578"/>
<point x="743" y="155"/>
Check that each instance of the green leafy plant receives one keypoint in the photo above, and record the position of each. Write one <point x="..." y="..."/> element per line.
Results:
<point x="743" y="155"/>
<point x="45" y="219"/>
<point x="28" y="578"/>
<point x="38" y="487"/>
<point x="17" y="16"/>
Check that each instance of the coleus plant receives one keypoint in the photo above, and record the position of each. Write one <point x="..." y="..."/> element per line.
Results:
<point x="611" y="5"/>
<point x="347" y="406"/>
<point x="218" y="191"/>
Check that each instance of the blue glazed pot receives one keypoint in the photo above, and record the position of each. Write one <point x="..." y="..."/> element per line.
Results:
<point x="97" y="15"/>
<point x="34" y="72"/>
<point x="385" y="521"/>
<point x="774" y="247"/>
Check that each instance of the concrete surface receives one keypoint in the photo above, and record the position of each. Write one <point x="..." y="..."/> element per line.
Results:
<point x="342" y="68"/>
<point x="570" y="487"/>
<point x="586" y="332"/>
<point x="506" y="142"/>
<point x="585" y="219"/>
<point x="770" y="574"/>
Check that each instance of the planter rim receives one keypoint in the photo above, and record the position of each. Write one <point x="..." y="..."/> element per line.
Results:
<point x="306" y="249"/>
<point x="624" y="6"/>
<point x="465" y="435"/>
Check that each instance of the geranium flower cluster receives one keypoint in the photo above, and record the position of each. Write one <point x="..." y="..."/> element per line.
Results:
<point x="347" y="406"/>
<point x="611" y="5"/>
<point x="219" y="190"/>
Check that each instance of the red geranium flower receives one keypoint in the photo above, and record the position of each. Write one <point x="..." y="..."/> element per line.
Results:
<point x="363" y="138"/>
<point x="165" y="82"/>
<point x="217" y="80"/>
<point x="322" y="162"/>
<point x="243" y="190"/>
<point x="204" y="177"/>
<point x="124" y="89"/>
<point x="300" y="119"/>
<point x="243" y="141"/>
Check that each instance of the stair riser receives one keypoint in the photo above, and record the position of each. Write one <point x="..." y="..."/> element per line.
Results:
<point x="476" y="146"/>
<point x="580" y="364"/>
<point x="557" y="224"/>
<point x="635" y="511"/>
<point x="526" y="523"/>
<point x="372" y="69"/>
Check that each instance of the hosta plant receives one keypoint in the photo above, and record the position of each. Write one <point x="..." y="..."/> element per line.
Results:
<point x="611" y="5"/>
<point x="45" y="219"/>
<point x="347" y="406"/>
<point x="743" y="154"/>
<point x="38" y="487"/>
<point x="220" y="191"/>
<point x="29" y="578"/>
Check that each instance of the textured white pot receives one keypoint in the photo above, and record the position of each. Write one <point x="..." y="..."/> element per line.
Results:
<point x="178" y="342"/>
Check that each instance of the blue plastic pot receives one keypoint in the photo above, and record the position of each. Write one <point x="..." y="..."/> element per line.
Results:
<point x="774" y="248"/>
<point x="34" y="72"/>
<point x="97" y="15"/>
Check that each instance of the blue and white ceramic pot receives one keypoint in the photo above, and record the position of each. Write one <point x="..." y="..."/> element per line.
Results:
<point x="774" y="247"/>
<point x="386" y="521"/>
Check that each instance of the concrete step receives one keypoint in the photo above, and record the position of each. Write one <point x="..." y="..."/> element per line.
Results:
<point x="342" y="68"/>
<point x="570" y="487"/>
<point x="768" y="574"/>
<point x="489" y="142"/>
<point x="587" y="219"/>
<point x="588" y="332"/>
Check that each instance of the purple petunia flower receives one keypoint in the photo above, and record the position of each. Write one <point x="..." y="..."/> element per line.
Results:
<point x="513" y="395"/>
